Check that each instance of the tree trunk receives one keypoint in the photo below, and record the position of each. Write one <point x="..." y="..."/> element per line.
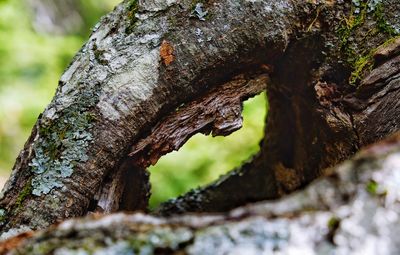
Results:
<point x="154" y="73"/>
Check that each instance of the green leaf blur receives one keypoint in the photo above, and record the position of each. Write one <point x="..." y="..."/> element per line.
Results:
<point x="204" y="158"/>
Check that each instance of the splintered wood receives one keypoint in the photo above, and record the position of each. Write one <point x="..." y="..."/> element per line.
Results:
<point x="218" y="112"/>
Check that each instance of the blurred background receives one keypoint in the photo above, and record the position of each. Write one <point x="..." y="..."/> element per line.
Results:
<point x="38" y="39"/>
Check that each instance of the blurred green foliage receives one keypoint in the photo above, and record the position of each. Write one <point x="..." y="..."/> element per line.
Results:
<point x="30" y="66"/>
<point x="204" y="158"/>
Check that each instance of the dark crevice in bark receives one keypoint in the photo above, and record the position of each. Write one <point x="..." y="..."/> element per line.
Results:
<point x="294" y="148"/>
<point x="357" y="141"/>
<point x="125" y="189"/>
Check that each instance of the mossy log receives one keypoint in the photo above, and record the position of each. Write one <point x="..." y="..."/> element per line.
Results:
<point x="330" y="69"/>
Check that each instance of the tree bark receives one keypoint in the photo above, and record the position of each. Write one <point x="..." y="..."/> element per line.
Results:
<point x="149" y="62"/>
<point x="353" y="210"/>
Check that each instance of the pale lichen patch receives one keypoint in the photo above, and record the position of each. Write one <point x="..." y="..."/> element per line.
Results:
<point x="156" y="5"/>
<point x="14" y="232"/>
<point x="64" y="134"/>
<point x="59" y="148"/>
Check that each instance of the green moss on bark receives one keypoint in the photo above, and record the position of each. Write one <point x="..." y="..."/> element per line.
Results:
<point x="133" y="8"/>
<point x="381" y="23"/>
<point x="25" y="192"/>
<point x="361" y="62"/>
<point x="3" y="215"/>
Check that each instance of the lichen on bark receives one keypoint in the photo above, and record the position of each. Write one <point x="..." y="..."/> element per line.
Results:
<point x="335" y="214"/>
<point x="59" y="148"/>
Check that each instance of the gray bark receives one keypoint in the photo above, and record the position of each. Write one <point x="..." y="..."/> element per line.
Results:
<point x="353" y="210"/>
<point x="148" y="61"/>
<point x="117" y="87"/>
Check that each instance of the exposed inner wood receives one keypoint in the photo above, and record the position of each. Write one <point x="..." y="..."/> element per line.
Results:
<point x="218" y="113"/>
<point x="303" y="137"/>
<point x="313" y="123"/>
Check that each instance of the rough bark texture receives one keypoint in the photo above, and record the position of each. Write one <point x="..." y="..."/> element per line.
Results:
<point x="149" y="60"/>
<point x="218" y="113"/>
<point x="316" y="119"/>
<point x="354" y="210"/>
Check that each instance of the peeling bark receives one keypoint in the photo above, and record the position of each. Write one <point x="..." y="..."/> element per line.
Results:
<point x="218" y="113"/>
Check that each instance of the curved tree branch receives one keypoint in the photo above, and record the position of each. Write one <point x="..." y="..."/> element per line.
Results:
<point x="117" y="87"/>
<point x="148" y="58"/>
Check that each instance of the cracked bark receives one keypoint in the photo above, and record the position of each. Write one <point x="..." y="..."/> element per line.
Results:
<point x="139" y="70"/>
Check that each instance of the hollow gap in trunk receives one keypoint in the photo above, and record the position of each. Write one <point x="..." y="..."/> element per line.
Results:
<point x="218" y="112"/>
<point x="203" y="158"/>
